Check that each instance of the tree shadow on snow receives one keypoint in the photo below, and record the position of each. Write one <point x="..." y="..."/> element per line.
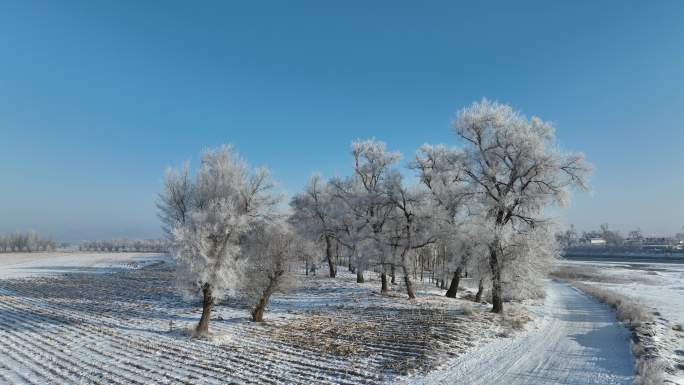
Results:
<point x="610" y="349"/>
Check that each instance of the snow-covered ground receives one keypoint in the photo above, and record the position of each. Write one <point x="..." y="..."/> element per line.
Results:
<point x="127" y="326"/>
<point x="16" y="265"/>
<point x="575" y="340"/>
<point x="658" y="287"/>
<point x="116" y="318"/>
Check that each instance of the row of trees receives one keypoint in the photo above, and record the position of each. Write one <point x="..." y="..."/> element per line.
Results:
<point x="480" y="207"/>
<point x="28" y="241"/>
<point x="126" y="245"/>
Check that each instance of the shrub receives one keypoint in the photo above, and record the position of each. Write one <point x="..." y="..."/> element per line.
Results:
<point x="633" y="314"/>
<point x="628" y="310"/>
<point x="650" y="372"/>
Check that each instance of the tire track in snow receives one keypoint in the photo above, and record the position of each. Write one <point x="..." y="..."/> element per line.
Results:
<point x="578" y="342"/>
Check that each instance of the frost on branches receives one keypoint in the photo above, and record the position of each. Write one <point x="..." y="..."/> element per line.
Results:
<point x="496" y="188"/>
<point x="515" y="170"/>
<point x="366" y="198"/>
<point x="268" y="249"/>
<point x="314" y="216"/>
<point x="208" y="219"/>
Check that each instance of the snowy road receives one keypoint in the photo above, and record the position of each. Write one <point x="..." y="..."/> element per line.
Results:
<point x="577" y="342"/>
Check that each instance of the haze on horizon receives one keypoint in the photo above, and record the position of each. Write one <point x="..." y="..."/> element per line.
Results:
<point x="98" y="99"/>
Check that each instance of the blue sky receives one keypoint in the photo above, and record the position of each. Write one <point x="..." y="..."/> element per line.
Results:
<point x="97" y="98"/>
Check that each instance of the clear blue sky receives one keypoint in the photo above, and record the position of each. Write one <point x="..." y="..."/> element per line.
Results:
<point x="97" y="98"/>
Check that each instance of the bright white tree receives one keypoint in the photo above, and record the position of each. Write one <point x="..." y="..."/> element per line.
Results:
<point x="514" y="169"/>
<point x="209" y="217"/>
<point x="439" y="169"/>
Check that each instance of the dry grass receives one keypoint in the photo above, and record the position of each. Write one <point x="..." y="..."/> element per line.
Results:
<point x="327" y="335"/>
<point x="583" y="273"/>
<point x="650" y="370"/>
<point x="628" y="310"/>
<point x="516" y="319"/>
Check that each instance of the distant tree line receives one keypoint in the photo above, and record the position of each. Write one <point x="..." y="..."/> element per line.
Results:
<point x="614" y="241"/>
<point x="28" y="241"/>
<point x="126" y="245"/>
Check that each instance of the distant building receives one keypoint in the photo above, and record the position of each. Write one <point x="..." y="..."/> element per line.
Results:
<point x="660" y="243"/>
<point x="597" y="242"/>
<point x="634" y="241"/>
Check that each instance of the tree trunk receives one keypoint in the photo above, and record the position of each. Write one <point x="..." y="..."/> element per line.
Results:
<point x="480" y="290"/>
<point x="207" y="305"/>
<point x="497" y="301"/>
<point x="453" y="288"/>
<point x="359" y="276"/>
<point x="422" y="267"/>
<point x="258" y="311"/>
<point x="383" y="279"/>
<point x="409" y="285"/>
<point x="329" y="256"/>
<point x="394" y="280"/>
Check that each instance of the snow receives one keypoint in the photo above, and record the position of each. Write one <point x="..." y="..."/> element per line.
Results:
<point x="17" y="265"/>
<point x="116" y="318"/>
<point x="129" y="326"/>
<point x="660" y="288"/>
<point x="655" y="284"/>
<point x="575" y="341"/>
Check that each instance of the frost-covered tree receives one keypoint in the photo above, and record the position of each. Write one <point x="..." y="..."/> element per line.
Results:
<point x="351" y="227"/>
<point x="368" y="200"/>
<point x="313" y="215"/>
<point x="567" y="238"/>
<point x="462" y="248"/>
<point x="440" y="170"/>
<point x="515" y="170"/>
<point x="527" y="257"/>
<point x="18" y="241"/>
<point x="32" y="241"/>
<point x="175" y="200"/>
<point x="126" y="245"/>
<point x="612" y="238"/>
<point x="29" y="241"/>
<point x="268" y="249"/>
<point x="411" y="224"/>
<point x="218" y="209"/>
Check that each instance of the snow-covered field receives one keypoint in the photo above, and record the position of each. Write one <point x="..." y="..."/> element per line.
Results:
<point x="126" y="326"/>
<point x="16" y="265"/>
<point x="659" y="288"/>
<point x="116" y="318"/>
